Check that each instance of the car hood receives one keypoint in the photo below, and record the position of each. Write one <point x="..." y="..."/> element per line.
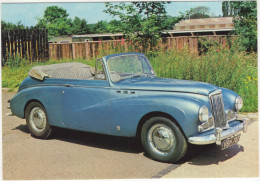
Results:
<point x="169" y="85"/>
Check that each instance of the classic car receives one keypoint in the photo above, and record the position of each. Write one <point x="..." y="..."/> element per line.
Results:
<point x="122" y="96"/>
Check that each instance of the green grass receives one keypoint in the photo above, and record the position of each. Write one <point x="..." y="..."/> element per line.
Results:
<point x="229" y="68"/>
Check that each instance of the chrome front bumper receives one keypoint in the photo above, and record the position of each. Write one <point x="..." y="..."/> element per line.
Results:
<point x="218" y="134"/>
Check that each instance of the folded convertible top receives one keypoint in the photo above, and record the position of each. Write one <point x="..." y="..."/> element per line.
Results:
<point x="63" y="71"/>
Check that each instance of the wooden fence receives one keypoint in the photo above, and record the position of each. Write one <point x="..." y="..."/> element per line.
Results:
<point x="31" y="44"/>
<point x="92" y="49"/>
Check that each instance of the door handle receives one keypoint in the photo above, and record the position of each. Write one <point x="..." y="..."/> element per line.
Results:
<point x="69" y="85"/>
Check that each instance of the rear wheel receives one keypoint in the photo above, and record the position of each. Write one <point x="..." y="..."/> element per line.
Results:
<point x="37" y="121"/>
<point x="163" y="140"/>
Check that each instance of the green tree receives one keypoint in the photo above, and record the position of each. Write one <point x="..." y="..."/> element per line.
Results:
<point x="100" y="27"/>
<point x="170" y="21"/>
<point x="114" y="26"/>
<point x="56" y="20"/>
<point x="79" y="26"/>
<point x="246" y="24"/>
<point x="11" y="26"/>
<point x="228" y="9"/>
<point x="197" y="13"/>
<point x="7" y="25"/>
<point x="141" y="22"/>
<point x="76" y="24"/>
<point x="85" y="29"/>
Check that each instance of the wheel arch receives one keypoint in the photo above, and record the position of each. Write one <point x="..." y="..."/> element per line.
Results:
<point x="156" y="114"/>
<point x="29" y="102"/>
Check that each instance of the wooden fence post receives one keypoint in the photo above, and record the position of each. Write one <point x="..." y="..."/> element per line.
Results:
<point x="15" y="43"/>
<point x="73" y="51"/>
<point x="12" y="43"/>
<point x="3" y="58"/>
<point x="87" y="50"/>
<point x="43" y="45"/>
<point x="22" y="43"/>
<point x="47" y="46"/>
<point x="27" y="44"/>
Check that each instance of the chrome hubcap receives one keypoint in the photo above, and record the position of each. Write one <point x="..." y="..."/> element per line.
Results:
<point x="161" y="139"/>
<point x="37" y="119"/>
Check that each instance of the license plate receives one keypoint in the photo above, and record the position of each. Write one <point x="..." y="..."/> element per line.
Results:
<point x="229" y="142"/>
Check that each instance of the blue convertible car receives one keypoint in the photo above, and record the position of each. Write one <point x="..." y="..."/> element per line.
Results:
<point x="122" y="96"/>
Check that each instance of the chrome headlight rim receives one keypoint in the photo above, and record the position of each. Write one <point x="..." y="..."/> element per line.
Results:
<point x="238" y="103"/>
<point x="203" y="114"/>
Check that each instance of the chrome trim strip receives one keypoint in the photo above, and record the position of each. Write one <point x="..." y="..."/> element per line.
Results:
<point x="231" y="119"/>
<point x="218" y="91"/>
<point x="114" y="88"/>
<point x="61" y="85"/>
<point x="216" y="137"/>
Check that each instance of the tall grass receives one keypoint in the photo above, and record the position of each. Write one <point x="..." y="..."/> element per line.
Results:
<point x="229" y="68"/>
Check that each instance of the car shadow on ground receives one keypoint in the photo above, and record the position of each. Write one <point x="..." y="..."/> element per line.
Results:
<point x="23" y="128"/>
<point x="122" y="144"/>
<point x="210" y="154"/>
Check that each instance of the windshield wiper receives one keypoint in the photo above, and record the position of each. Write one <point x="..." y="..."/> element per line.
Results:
<point x="142" y="75"/>
<point x="136" y="75"/>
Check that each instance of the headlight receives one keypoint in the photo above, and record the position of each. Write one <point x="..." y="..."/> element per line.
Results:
<point x="239" y="103"/>
<point x="203" y="114"/>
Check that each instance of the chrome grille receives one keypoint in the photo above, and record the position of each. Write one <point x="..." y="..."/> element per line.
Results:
<point x="217" y="109"/>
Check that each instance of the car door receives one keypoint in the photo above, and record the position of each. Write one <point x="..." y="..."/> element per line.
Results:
<point x="85" y="105"/>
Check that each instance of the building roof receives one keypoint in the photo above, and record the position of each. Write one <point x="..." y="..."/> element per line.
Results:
<point x="98" y="35"/>
<point x="61" y="39"/>
<point x="206" y="21"/>
<point x="205" y="25"/>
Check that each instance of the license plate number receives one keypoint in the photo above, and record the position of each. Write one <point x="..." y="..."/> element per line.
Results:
<point x="230" y="142"/>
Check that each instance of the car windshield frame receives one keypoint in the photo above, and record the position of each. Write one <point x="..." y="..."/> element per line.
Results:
<point x="130" y="75"/>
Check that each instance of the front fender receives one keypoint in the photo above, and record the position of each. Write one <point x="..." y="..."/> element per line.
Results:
<point x="127" y="112"/>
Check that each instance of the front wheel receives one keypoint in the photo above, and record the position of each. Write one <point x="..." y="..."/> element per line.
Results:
<point x="163" y="140"/>
<point x="37" y="121"/>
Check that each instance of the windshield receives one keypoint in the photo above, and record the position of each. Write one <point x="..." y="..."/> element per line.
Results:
<point x="126" y="66"/>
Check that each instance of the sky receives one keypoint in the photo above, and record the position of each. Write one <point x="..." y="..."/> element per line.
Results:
<point x="28" y="13"/>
